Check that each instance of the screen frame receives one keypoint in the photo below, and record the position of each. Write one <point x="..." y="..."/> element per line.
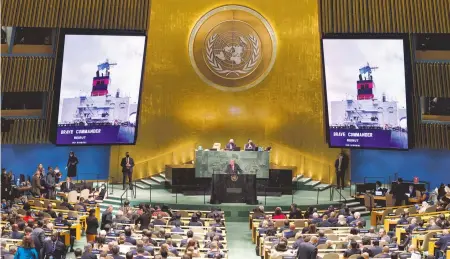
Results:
<point x="58" y="79"/>
<point x="408" y="81"/>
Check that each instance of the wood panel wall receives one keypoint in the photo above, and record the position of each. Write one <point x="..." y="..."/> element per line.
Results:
<point x="96" y="14"/>
<point x="430" y="80"/>
<point x="385" y="16"/>
<point x="24" y="74"/>
<point x="27" y="74"/>
<point x="406" y="17"/>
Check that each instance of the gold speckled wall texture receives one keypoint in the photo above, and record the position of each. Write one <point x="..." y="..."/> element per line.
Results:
<point x="179" y="111"/>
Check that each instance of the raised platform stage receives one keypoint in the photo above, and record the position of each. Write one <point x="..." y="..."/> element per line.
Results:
<point x="181" y="179"/>
<point x="158" y="194"/>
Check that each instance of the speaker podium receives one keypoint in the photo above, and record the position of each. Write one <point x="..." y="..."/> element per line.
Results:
<point x="233" y="188"/>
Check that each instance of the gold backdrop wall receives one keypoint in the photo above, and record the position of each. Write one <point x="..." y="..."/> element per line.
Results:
<point x="179" y="111"/>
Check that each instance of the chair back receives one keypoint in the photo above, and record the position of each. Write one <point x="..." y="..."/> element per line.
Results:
<point x="72" y="197"/>
<point x="184" y="213"/>
<point x="176" y="236"/>
<point x="85" y="194"/>
<point x="37" y="203"/>
<point x="369" y="201"/>
<point x="299" y="223"/>
<point x="331" y="256"/>
<point x="46" y="203"/>
<point x="399" y="211"/>
<point x="197" y="230"/>
<point x="389" y="200"/>
<point x="431" y="209"/>
<point x="354" y="256"/>
<point x="333" y="237"/>
<point x="418" y="194"/>
<point x="278" y="223"/>
<point x="412" y="210"/>
<point x="322" y="246"/>
<point x="426" y="240"/>
<point x="386" y="212"/>
<point x="73" y="214"/>
<point x="78" y="207"/>
<point x="328" y="231"/>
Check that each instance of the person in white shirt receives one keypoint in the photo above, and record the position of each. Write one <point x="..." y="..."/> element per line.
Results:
<point x="281" y="250"/>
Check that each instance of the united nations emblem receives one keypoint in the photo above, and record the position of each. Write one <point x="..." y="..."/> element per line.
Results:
<point x="232" y="48"/>
<point x="234" y="177"/>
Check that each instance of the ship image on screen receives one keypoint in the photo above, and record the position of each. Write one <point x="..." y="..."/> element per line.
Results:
<point x="366" y="93"/>
<point x="100" y="86"/>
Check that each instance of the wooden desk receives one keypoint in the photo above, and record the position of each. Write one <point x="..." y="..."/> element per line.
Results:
<point x="383" y="198"/>
<point x="377" y="213"/>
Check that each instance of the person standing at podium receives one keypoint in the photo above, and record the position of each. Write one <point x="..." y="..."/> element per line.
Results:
<point x="230" y="146"/>
<point x="249" y="146"/>
<point x="233" y="168"/>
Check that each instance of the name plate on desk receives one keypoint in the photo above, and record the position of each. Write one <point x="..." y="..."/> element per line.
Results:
<point x="234" y="190"/>
<point x="391" y="214"/>
<point x="363" y="231"/>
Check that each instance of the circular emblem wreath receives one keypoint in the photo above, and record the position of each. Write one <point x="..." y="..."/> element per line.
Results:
<point x="249" y="65"/>
<point x="232" y="48"/>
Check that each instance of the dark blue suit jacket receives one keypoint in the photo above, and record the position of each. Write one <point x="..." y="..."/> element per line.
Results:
<point x="442" y="242"/>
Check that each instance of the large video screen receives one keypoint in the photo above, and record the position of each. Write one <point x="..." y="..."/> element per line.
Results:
<point x="100" y="88"/>
<point x="366" y="93"/>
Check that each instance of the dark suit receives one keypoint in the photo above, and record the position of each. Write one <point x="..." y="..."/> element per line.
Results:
<point x="106" y="219"/>
<point x="399" y="192"/>
<point x="127" y="171"/>
<point x="249" y="146"/>
<point x="67" y="187"/>
<point x="412" y="193"/>
<point x="376" y="250"/>
<point x="288" y="234"/>
<point x="235" y="170"/>
<point x="230" y="146"/>
<point x="88" y="256"/>
<point x="38" y="235"/>
<point x="296" y="214"/>
<point x="306" y="250"/>
<point x="52" y="213"/>
<point x="325" y="224"/>
<point x="55" y="249"/>
<point x="16" y="235"/>
<point x="341" y="165"/>
<point x="442" y="242"/>
<point x="36" y="185"/>
<point x="130" y="240"/>
<point x="159" y="222"/>
<point x="297" y="243"/>
<point x="92" y="225"/>
<point x="144" y="220"/>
